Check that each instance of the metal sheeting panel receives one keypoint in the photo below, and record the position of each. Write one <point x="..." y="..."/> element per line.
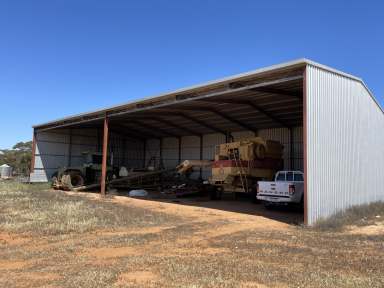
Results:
<point x="283" y="136"/>
<point x="116" y="148"/>
<point x="134" y="154"/>
<point x="190" y="150"/>
<point x="210" y="141"/>
<point x="81" y="140"/>
<point x="170" y="152"/>
<point x="53" y="150"/>
<point x="40" y="175"/>
<point x="345" y="144"/>
<point x="152" y="149"/>
<point x="51" y="153"/>
<point x="298" y="151"/>
<point x="190" y="147"/>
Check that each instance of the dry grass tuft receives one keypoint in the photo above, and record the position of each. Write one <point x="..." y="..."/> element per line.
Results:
<point x="361" y="215"/>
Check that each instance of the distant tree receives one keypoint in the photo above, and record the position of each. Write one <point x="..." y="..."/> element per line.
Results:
<point x="19" y="157"/>
<point x="23" y="146"/>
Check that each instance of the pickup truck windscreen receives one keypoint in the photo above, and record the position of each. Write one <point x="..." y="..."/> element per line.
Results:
<point x="299" y="177"/>
<point x="280" y="177"/>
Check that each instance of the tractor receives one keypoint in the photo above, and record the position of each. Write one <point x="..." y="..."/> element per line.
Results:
<point x="89" y="172"/>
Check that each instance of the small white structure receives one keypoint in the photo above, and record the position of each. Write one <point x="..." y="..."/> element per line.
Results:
<point x="5" y="171"/>
<point x="123" y="172"/>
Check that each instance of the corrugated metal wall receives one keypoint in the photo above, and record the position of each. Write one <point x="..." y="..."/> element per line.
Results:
<point x="345" y="144"/>
<point x="134" y="154"/>
<point x="53" y="149"/>
<point x="126" y="152"/>
<point x="170" y="152"/>
<point x="64" y="147"/>
<point x="190" y="147"/>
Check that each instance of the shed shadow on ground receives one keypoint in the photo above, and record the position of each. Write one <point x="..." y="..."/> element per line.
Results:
<point x="241" y="204"/>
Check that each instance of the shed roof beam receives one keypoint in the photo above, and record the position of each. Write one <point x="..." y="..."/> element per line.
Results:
<point x="266" y="113"/>
<point x="277" y="92"/>
<point x="254" y="106"/>
<point x="202" y="123"/>
<point x="174" y="125"/>
<point x="222" y="115"/>
<point x="135" y="132"/>
<point x="152" y="128"/>
<point x="126" y="135"/>
<point x="234" y="120"/>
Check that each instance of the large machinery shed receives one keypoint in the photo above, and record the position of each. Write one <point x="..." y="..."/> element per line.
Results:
<point x="327" y="120"/>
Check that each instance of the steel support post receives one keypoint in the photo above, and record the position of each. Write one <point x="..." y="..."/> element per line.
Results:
<point x="104" y="160"/>
<point x="201" y="156"/>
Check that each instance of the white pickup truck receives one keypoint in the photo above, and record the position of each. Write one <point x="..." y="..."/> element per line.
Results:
<point x="288" y="188"/>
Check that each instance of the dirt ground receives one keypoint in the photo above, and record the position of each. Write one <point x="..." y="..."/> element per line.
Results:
<point x="125" y="242"/>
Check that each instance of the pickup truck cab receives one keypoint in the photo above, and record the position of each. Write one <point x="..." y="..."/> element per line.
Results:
<point x="288" y="188"/>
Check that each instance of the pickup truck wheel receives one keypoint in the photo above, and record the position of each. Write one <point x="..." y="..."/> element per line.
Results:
<point x="268" y="205"/>
<point x="213" y="193"/>
<point x="219" y="194"/>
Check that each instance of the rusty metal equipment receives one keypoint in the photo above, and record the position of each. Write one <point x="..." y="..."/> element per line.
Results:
<point x="90" y="172"/>
<point x="239" y="165"/>
<point x="187" y="166"/>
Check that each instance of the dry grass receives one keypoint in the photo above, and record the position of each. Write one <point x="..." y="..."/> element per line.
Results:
<point x="361" y="215"/>
<point x="26" y="208"/>
<point x="50" y="239"/>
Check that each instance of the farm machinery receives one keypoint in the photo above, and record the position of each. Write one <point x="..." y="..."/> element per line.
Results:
<point x="238" y="166"/>
<point x="89" y="172"/>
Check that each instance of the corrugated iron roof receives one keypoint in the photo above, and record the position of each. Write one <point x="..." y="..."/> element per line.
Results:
<point x="276" y="90"/>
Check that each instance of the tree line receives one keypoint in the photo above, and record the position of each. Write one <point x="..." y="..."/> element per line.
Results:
<point x="19" y="157"/>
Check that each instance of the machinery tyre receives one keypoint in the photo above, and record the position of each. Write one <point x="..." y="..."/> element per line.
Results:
<point x="54" y="179"/>
<point x="77" y="179"/>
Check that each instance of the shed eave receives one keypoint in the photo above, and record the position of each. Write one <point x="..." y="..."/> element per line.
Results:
<point x="238" y="77"/>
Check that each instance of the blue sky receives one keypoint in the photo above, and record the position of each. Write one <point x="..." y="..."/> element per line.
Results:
<point x="64" y="57"/>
